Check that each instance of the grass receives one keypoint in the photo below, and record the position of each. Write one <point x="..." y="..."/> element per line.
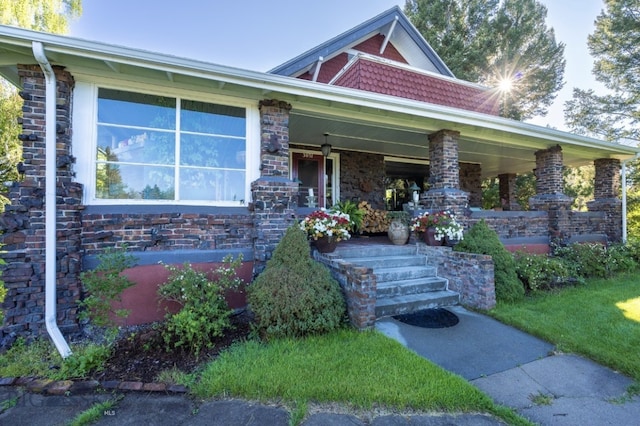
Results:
<point x="94" y="413"/>
<point x="361" y="369"/>
<point x="600" y="320"/>
<point x="41" y="359"/>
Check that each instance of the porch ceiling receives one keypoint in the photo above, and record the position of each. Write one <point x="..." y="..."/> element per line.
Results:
<point x="497" y="151"/>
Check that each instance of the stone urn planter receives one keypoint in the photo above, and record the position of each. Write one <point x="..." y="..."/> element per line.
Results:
<point x="398" y="231"/>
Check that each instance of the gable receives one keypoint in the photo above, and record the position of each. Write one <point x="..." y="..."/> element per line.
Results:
<point x="329" y="69"/>
<point x="389" y="78"/>
<point x="392" y="26"/>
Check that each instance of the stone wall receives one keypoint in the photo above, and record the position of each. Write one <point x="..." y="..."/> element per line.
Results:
<point x="359" y="286"/>
<point x="23" y="222"/>
<point x="513" y="224"/>
<point x="471" y="182"/>
<point x="362" y="178"/>
<point x="471" y="275"/>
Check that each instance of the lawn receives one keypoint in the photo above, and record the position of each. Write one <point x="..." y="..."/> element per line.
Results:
<point x="361" y="369"/>
<point x="600" y="320"/>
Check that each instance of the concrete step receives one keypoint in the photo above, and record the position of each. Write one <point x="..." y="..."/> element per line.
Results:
<point x="402" y="273"/>
<point x="414" y="286"/>
<point x="345" y="251"/>
<point x="397" y="305"/>
<point x="389" y="261"/>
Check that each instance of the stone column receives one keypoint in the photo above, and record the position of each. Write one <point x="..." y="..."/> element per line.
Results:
<point x="23" y="222"/>
<point x="444" y="192"/>
<point x="606" y="194"/>
<point x="471" y="182"/>
<point x="507" y="191"/>
<point x="549" y="195"/>
<point x="273" y="194"/>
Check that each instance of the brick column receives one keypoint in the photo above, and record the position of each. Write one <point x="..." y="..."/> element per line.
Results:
<point x="507" y="191"/>
<point x="606" y="194"/>
<point x="445" y="193"/>
<point x="549" y="195"/>
<point x="471" y="182"/>
<point x="273" y="194"/>
<point x="23" y="222"/>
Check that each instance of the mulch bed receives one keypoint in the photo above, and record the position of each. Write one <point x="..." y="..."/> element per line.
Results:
<point x="141" y="353"/>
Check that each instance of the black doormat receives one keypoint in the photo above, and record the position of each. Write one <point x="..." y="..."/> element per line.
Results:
<point x="429" y="318"/>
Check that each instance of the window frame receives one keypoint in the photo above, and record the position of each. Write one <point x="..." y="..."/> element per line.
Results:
<point x="85" y="128"/>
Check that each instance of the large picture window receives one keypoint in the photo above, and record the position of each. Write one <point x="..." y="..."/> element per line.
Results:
<point x="153" y="147"/>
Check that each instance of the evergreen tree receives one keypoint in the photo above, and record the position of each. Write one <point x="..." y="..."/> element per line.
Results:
<point x="502" y="44"/>
<point x="615" y="46"/>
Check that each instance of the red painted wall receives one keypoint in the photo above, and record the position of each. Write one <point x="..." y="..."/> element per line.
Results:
<point x="145" y="305"/>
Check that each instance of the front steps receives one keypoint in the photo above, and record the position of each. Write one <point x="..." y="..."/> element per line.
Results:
<point x="405" y="283"/>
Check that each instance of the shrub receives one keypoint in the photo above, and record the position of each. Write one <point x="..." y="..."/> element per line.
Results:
<point x="592" y="260"/>
<point x="540" y="272"/>
<point x="205" y="312"/>
<point x="104" y="285"/>
<point x="480" y="239"/>
<point x="295" y="295"/>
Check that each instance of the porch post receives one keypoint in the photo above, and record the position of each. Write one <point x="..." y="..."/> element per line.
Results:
<point x="273" y="194"/>
<point x="507" y="191"/>
<point x="22" y="227"/>
<point x="445" y="193"/>
<point x="471" y="182"/>
<point x="549" y="195"/>
<point x="606" y="194"/>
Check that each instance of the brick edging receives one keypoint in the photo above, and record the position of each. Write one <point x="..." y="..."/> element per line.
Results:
<point x="62" y="387"/>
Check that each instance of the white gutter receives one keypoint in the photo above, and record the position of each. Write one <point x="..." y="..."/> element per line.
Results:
<point x="50" y="201"/>
<point x="624" y="197"/>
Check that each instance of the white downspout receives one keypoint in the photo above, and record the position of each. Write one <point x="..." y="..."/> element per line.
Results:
<point x="624" y="197"/>
<point x="50" y="201"/>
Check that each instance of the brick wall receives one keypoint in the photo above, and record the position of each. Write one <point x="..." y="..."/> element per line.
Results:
<point x="160" y="231"/>
<point x="443" y="160"/>
<point x="471" y="182"/>
<point x="362" y="178"/>
<point x="23" y="222"/>
<point x="548" y="171"/>
<point x="471" y="275"/>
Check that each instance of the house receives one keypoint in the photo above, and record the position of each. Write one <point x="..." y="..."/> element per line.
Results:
<point x="184" y="160"/>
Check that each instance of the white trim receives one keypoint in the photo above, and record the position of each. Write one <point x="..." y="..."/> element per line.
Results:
<point x="405" y="160"/>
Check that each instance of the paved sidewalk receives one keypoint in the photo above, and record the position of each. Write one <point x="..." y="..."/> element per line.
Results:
<point x="522" y="372"/>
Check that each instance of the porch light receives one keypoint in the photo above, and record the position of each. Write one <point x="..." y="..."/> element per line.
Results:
<point x="326" y="147"/>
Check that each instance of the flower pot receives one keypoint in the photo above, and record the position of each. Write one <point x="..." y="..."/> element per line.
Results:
<point x="398" y="232"/>
<point x="430" y="238"/>
<point x="325" y="244"/>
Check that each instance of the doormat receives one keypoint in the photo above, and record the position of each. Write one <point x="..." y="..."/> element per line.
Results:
<point x="429" y="318"/>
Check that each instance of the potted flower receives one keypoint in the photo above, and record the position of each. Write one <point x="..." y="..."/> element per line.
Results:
<point x="325" y="229"/>
<point x="398" y="231"/>
<point x="436" y="226"/>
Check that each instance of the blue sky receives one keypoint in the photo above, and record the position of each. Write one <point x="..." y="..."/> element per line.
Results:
<point x="258" y="34"/>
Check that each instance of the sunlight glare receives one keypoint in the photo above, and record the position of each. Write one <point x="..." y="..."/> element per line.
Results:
<point x="630" y="308"/>
<point x="505" y="85"/>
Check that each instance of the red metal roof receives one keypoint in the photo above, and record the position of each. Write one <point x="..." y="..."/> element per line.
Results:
<point x="377" y="77"/>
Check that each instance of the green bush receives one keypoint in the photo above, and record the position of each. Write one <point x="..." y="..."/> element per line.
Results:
<point x="541" y="272"/>
<point x="205" y="312"/>
<point x="593" y="260"/>
<point x="480" y="239"/>
<point x="295" y="295"/>
<point x="104" y="285"/>
<point x="356" y="214"/>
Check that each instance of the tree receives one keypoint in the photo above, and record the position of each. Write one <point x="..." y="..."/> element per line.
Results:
<point x="615" y="45"/>
<point x="502" y="44"/>
<point x="42" y="15"/>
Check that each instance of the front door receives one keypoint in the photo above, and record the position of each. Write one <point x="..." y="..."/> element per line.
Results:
<point x="308" y="168"/>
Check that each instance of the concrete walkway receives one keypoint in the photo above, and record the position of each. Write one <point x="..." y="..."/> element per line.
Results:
<point x="522" y="372"/>
<point x="514" y="368"/>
